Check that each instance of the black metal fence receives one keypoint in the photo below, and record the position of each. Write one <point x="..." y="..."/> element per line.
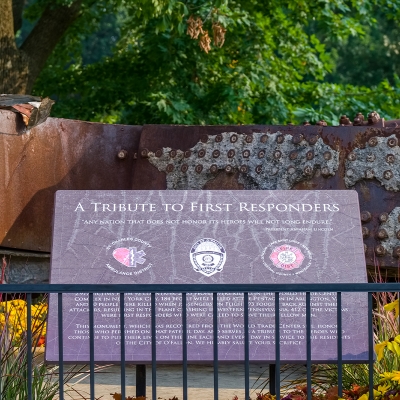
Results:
<point x="368" y="288"/>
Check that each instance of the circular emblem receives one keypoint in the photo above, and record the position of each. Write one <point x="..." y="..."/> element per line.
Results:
<point x="207" y="256"/>
<point x="286" y="257"/>
<point x="128" y="256"/>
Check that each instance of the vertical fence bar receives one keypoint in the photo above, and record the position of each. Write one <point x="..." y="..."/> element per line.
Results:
<point x="277" y="349"/>
<point x="308" y="338"/>
<point x="60" y="349"/>
<point x="153" y="347"/>
<point x="184" y="347"/>
<point x="215" y="343"/>
<point x="29" y="344"/>
<point x="398" y="321"/>
<point x="339" y="344"/>
<point x="370" y="347"/>
<point x="91" y="345"/>
<point x="122" y="327"/>
<point x="246" y="348"/>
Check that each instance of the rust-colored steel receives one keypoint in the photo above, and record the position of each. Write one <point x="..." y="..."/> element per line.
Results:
<point x="58" y="154"/>
<point x="65" y="154"/>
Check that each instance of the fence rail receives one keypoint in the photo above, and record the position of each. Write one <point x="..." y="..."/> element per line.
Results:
<point x="245" y="289"/>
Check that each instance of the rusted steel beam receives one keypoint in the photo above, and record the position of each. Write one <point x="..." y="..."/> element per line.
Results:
<point x="58" y="154"/>
<point x="363" y="158"/>
<point x="65" y="154"/>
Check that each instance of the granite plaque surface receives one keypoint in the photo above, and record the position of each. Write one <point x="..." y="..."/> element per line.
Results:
<point x="208" y="237"/>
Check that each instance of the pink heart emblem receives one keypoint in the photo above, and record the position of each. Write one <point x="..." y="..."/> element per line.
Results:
<point x="122" y="255"/>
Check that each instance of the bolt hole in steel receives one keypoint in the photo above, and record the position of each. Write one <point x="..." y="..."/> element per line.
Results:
<point x="229" y="169"/>
<point x="327" y="155"/>
<point x="234" y="138"/>
<point x="396" y="251"/>
<point x="184" y="168"/>
<point x="388" y="174"/>
<point x="384" y="217"/>
<point x="365" y="232"/>
<point x="313" y="139"/>
<point x="244" y="169"/>
<point x="365" y="216"/>
<point x="390" y="158"/>
<point x="231" y="153"/>
<point x="198" y="168"/>
<point x="259" y="169"/>
<point x="122" y="154"/>
<point x="170" y="168"/>
<point x="264" y="138"/>
<point x="216" y="153"/>
<point x="380" y="250"/>
<point x="398" y="235"/>
<point x="371" y="157"/>
<point x="201" y="153"/>
<point x="280" y="139"/>
<point x="246" y="153"/>
<point x="187" y="153"/>
<point x="249" y="138"/>
<point x="382" y="234"/>
<point x="310" y="155"/>
<point x="143" y="152"/>
<point x="172" y="153"/>
<point x="261" y="154"/>
<point x="296" y="139"/>
<point x="214" y="169"/>
<point x="204" y="138"/>
<point x="325" y="171"/>
<point x="369" y="174"/>
<point x="373" y="142"/>
<point x="277" y="154"/>
<point x="293" y="155"/>
<point x="392" y="142"/>
<point x="352" y="157"/>
<point x="158" y="153"/>
<point x="218" y="138"/>
<point x="308" y="170"/>
<point x="291" y="170"/>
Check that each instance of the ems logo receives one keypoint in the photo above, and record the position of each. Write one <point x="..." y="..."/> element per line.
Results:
<point x="207" y="256"/>
<point x="130" y="255"/>
<point x="287" y="257"/>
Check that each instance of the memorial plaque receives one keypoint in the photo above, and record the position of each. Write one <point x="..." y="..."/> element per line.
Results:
<point x="208" y="237"/>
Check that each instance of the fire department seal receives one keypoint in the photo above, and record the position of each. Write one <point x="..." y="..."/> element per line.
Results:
<point x="286" y="257"/>
<point x="207" y="256"/>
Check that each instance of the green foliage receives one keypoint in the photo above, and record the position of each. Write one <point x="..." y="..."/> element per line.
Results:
<point x="281" y="61"/>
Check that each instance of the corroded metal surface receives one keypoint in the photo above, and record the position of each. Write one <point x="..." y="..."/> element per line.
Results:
<point x="58" y="154"/>
<point x="64" y="154"/>
<point x="291" y="157"/>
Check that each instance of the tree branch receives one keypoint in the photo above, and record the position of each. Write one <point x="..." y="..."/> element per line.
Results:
<point x="44" y="37"/>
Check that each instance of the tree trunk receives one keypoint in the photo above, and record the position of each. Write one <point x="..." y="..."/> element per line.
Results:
<point x="13" y="63"/>
<point x="19" y="68"/>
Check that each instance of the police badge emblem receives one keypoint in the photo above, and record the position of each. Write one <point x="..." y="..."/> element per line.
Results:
<point x="207" y="256"/>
